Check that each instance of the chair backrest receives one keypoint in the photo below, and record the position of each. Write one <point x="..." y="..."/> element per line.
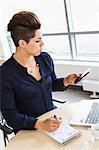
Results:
<point x="4" y="126"/>
<point x="5" y="129"/>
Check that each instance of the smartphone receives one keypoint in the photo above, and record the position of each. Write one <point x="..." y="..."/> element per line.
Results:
<point x="82" y="75"/>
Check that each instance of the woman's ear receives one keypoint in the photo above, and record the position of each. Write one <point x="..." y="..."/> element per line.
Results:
<point x="22" y="43"/>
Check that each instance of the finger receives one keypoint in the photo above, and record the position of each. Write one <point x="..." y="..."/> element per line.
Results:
<point x="56" y="124"/>
<point x="56" y="121"/>
<point x="54" y="128"/>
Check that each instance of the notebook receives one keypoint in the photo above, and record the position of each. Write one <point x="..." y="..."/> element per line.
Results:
<point x="64" y="134"/>
<point x="87" y="114"/>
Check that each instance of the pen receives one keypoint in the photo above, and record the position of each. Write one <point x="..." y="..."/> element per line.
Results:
<point x="56" y="117"/>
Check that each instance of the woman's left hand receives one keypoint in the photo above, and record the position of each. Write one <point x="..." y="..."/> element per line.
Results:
<point x="69" y="80"/>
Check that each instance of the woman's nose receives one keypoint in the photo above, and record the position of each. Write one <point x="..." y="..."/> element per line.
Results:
<point x="42" y="43"/>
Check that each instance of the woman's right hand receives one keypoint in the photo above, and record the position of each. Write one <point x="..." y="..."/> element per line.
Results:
<point x="49" y="124"/>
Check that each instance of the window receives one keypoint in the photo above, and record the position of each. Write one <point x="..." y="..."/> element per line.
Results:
<point x="57" y="46"/>
<point x="84" y="28"/>
<point x="85" y="15"/>
<point x="70" y="27"/>
<point x="86" y="49"/>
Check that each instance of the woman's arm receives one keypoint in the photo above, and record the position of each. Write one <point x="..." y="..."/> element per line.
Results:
<point x="60" y="84"/>
<point x="9" y="110"/>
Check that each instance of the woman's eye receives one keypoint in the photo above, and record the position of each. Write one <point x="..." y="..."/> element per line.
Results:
<point x="37" y="41"/>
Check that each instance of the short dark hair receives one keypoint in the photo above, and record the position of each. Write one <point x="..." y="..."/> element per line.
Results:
<point x="23" y="26"/>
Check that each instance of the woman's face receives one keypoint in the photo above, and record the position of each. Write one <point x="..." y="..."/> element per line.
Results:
<point x="34" y="46"/>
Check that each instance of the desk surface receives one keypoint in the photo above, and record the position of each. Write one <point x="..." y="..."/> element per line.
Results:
<point x="37" y="140"/>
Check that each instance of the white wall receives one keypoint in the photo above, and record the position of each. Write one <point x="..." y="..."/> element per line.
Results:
<point x="64" y="68"/>
<point x="4" y="46"/>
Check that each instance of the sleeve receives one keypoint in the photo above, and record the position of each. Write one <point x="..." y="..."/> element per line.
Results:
<point x="57" y="83"/>
<point x="14" y="118"/>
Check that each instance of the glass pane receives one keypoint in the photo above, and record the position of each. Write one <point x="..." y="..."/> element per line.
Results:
<point x="10" y="43"/>
<point x="85" y="15"/>
<point x="88" y="47"/>
<point x="4" y="46"/>
<point x="50" y="12"/>
<point x="57" y="46"/>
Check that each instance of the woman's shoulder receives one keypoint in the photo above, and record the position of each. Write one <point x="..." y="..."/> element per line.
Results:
<point x="6" y="65"/>
<point x="46" y="56"/>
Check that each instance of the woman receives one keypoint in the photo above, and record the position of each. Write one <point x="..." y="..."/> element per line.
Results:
<point x="28" y="77"/>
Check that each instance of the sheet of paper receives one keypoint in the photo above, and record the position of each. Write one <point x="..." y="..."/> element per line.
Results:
<point x="64" y="133"/>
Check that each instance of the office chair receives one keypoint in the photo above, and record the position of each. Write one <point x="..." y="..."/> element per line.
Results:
<point x="5" y="128"/>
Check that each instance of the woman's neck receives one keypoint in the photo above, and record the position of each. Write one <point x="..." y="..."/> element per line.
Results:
<point x="23" y="59"/>
<point x="29" y="62"/>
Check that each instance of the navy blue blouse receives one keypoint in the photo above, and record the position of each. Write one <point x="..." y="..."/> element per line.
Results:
<point x="23" y="98"/>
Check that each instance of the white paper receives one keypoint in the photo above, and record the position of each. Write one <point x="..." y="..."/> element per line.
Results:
<point x="64" y="133"/>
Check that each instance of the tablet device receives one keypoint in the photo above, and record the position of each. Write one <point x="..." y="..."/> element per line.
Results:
<point x="82" y="75"/>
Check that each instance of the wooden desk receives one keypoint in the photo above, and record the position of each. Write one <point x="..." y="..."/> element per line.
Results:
<point x="37" y="140"/>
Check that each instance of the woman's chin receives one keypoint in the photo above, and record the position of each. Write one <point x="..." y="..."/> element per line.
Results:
<point x="38" y="54"/>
